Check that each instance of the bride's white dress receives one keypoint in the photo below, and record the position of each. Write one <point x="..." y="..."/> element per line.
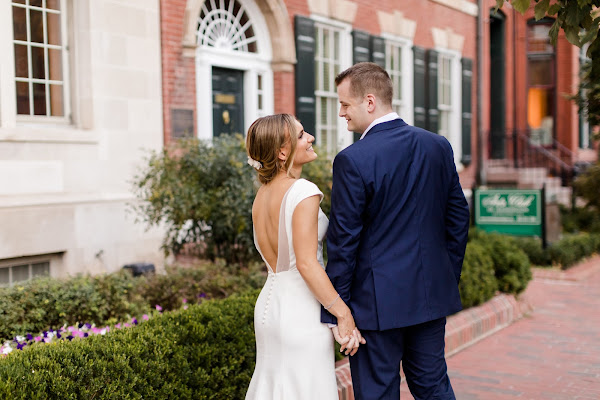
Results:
<point x="294" y="350"/>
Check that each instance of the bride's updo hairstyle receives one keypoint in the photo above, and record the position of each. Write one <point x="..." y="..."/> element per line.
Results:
<point x="266" y="136"/>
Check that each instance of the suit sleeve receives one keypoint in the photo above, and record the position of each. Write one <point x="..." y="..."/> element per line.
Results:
<point x="348" y="202"/>
<point x="457" y="219"/>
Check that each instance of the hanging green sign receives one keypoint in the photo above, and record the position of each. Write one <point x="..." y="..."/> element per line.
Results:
<point x="510" y="211"/>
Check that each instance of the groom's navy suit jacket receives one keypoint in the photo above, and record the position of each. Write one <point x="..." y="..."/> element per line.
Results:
<point x="398" y="228"/>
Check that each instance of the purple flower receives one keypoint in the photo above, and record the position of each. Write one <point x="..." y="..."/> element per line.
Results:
<point x="58" y="335"/>
<point x="21" y="345"/>
<point x="88" y="326"/>
<point x="184" y="300"/>
<point x="37" y="338"/>
<point x="126" y="325"/>
<point x="70" y="337"/>
<point x="145" y="317"/>
<point x="118" y="326"/>
<point x="80" y="326"/>
<point x="135" y="321"/>
<point x="85" y="334"/>
<point x="29" y="336"/>
<point x="159" y="308"/>
<point x="202" y="295"/>
<point x="45" y="334"/>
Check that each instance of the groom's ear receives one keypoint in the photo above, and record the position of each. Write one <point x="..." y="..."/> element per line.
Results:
<point x="371" y="102"/>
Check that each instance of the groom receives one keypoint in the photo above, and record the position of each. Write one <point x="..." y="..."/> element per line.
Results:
<point x="396" y="241"/>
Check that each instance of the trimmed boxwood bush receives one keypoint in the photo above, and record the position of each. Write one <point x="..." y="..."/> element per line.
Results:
<point x="535" y="252"/>
<point x="478" y="282"/>
<point x="573" y="248"/>
<point x="48" y="303"/>
<point x="511" y="265"/>
<point x="205" y="352"/>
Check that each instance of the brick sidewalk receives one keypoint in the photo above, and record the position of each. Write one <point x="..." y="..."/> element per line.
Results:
<point x="553" y="353"/>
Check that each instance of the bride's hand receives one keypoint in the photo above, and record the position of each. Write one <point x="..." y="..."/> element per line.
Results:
<point x="349" y="343"/>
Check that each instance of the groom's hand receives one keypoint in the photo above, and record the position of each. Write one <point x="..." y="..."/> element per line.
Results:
<point x="349" y="343"/>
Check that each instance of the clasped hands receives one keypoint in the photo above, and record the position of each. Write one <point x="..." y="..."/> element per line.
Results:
<point x="348" y="336"/>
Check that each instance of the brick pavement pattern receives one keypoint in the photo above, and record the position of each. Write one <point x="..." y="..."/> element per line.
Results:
<point x="552" y="353"/>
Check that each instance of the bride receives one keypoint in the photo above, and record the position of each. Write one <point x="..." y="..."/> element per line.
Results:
<point x="294" y="350"/>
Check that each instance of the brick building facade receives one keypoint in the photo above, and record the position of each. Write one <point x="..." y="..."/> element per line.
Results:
<point x="227" y="62"/>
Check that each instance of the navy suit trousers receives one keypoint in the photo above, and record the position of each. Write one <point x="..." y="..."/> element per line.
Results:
<point x="376" y="366"/>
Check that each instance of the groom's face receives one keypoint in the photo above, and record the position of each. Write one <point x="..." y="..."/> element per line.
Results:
<point x="353" y="109"/>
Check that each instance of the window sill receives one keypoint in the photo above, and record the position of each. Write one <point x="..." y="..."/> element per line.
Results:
<point x="57" y="133"/>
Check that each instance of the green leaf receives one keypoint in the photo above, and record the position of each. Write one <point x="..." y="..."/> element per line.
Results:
<point x="541" y="8"/>
<point x="573" y="35"/>
<point x="499" y="4"/>
<point x="521" y="5"/>
<point x="554" y="32"/>
<point x="554" y="8"/>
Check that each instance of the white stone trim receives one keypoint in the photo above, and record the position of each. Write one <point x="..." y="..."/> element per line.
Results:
<point x="463" y="6"/>
<point x="396" y="25"/>
<point x="447" y="39"/>
<point x="341" y="10"/>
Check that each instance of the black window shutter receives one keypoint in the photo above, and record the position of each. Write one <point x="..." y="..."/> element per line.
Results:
<point x="467" y="117"/>
<point x="420" y="105"/>
<point x="305" y="73"/>
<point x="432" y="91"/>
<point x="378" y="51"/>
<point x="361" y="47"/>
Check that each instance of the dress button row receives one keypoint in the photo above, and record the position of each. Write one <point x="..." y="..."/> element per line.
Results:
<point x="269" y="296"/>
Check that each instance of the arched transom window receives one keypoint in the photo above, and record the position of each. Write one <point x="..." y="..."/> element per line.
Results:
<point x="226" y="25"/>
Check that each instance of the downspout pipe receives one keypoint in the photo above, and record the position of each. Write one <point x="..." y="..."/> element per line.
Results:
<point x="480" y="175"/>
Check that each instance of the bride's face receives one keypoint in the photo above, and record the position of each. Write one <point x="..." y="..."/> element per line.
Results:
<point x="304" y="149"/>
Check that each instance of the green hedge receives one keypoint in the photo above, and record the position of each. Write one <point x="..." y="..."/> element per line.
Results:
<point x="478" y="282"/>
<point x="511" y="265"/>
<point x="572" y="248"/>
<point x="205" y="352"/>
<point x="49" y="303"/>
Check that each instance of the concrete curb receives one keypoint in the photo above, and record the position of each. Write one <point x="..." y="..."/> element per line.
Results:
<point x="462" y="330"/>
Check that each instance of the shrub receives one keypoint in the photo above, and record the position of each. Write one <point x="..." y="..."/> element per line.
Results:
<point x="202" y="192"/>
<point x="535" y="252"/>
<point x="48" y="303"/>
<point x="511" y="265"/>
<point x="573" y="248"/>
<point x="207" y="351"/>
<point x="580" y="219"/>
<point x="477" y="282"/>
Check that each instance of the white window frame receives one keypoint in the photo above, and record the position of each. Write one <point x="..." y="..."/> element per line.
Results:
<point x="29" y="261"/>
<point x="252" y="64"/>
<point x="335" y="124"/>
<point x="404" y="106"/>
<point x="64" y="47"/>
<point x="454" y="134"/>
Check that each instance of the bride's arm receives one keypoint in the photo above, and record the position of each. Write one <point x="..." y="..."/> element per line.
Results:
<point x="305" y="241"/>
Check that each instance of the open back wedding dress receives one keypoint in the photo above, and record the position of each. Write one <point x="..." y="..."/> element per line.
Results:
<point x="294" y="350"/>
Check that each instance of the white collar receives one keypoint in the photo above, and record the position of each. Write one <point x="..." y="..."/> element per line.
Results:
<point x="386" y="118"/>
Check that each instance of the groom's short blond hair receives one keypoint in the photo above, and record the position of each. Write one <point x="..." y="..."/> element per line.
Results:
<point x="368" y="77"/>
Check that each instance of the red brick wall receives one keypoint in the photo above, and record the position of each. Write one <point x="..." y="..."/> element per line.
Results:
<point x="284" y="92"/>
<point x="178" y="72"/>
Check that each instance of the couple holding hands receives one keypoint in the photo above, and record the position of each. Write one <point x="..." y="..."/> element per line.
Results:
<point x="396" y="240"/>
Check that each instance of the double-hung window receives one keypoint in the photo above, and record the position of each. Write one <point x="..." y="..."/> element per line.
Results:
<point x="40" y="59"/>
<point x="445" y="103"/>
<point x="327" y="67"/>
<point x="398" y="63"/>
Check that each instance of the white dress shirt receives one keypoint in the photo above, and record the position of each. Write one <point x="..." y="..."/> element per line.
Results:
<point x="386" y="118"/>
